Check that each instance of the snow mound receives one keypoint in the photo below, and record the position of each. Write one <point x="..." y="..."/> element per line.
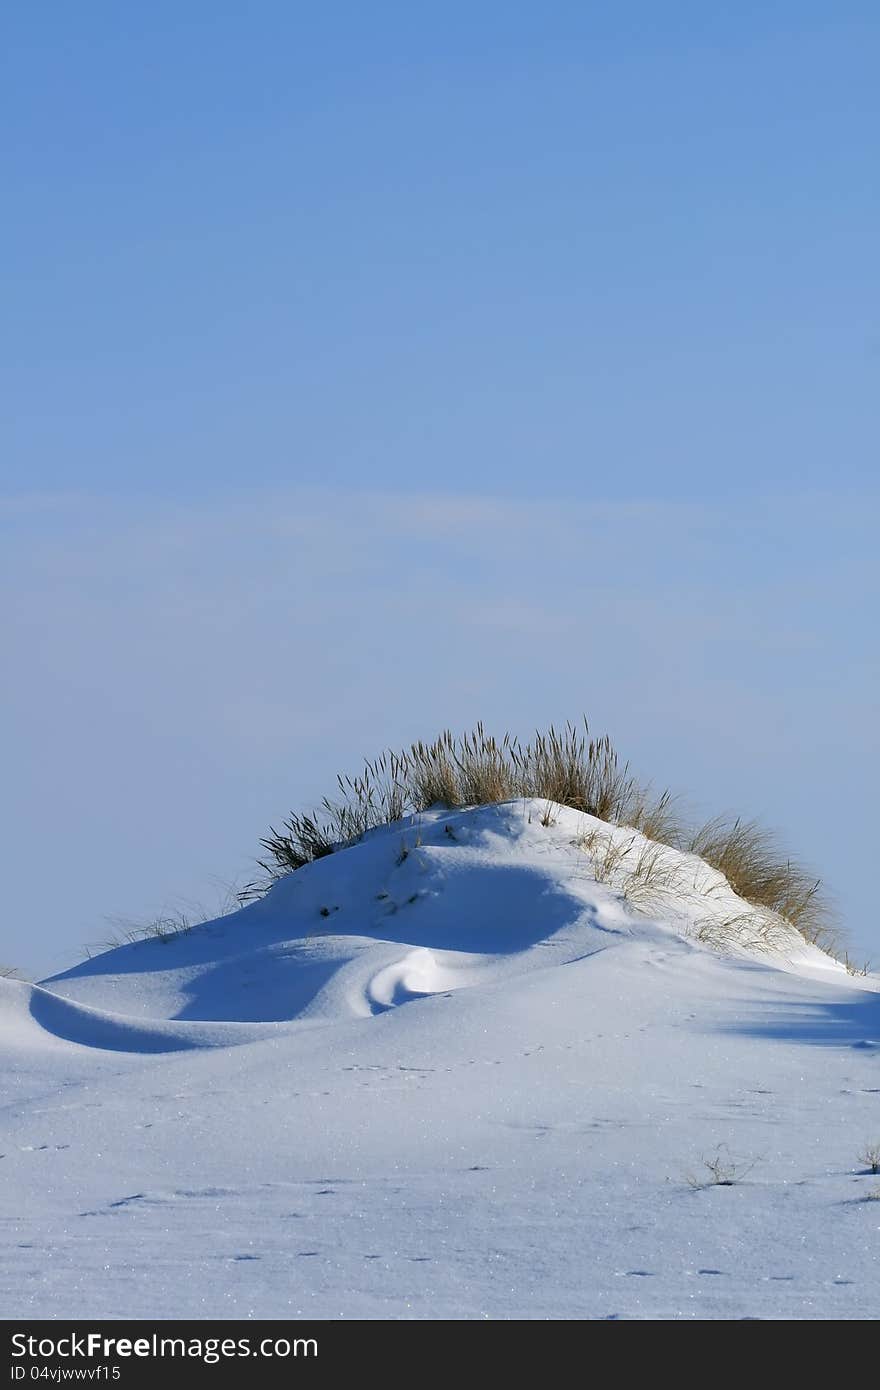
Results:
<point x="479" y="1064"/>
<point x="445" y="901"/>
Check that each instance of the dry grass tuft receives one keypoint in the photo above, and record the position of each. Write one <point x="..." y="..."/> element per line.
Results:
<point x="853" y="968"/>
<point x="750" y="859"/>
<point x="651" y="880"/>
<point x="570" y="768"/>
<point x="722" y="1170"/>
<point x="870" y="1156"/>
<point x="657" y="817"/>
<point x="607" y="855"/>
<point x="757" y="931"/>
<point x="168" y="925"/>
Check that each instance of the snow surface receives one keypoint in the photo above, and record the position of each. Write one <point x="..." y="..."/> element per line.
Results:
<point x="244" y="1121"/>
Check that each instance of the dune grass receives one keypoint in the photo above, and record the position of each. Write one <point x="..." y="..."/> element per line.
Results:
<point x="168" y="925"/>
<point x="750" y="858"/>
<point x="568" y="767"/>
<point x="475" y="770"/>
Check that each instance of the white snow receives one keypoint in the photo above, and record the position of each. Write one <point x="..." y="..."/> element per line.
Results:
<point x="444" y="1073"/>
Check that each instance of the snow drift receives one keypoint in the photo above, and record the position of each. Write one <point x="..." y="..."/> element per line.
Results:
<point x="477" y="1064"/>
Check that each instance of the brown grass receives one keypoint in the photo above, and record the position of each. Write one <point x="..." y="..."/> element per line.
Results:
<point x="751" y="860"/>
<point x="568" y="767"/>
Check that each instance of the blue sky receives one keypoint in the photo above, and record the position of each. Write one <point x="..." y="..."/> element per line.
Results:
<point x="373" y="368"/>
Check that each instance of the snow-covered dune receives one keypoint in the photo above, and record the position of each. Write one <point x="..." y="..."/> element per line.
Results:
<point x="446" y="1073"/>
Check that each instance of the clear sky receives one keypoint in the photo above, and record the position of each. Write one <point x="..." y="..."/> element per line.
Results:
<point x="370" y="368"/>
